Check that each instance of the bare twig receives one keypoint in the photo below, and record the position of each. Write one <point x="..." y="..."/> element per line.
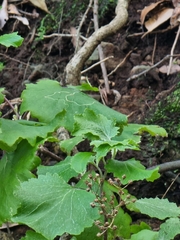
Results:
<point x="168" y="166"/>
<point x="81" y="23"/>
<point x="13" y="59"/>
<point x="147" y="70"/>
<point x="12" y="107"/>
<point x="154" y="49"/>
<point x="172" y="50"/>
<point x="51" y="154"/>
<point x="101" y="54"/>
<point x="94" y="65"/>
<point x="170" y="185"/>
<point x="120" y="64"/>
<point x="62" y="35"/>
<point x="73" y="68"/>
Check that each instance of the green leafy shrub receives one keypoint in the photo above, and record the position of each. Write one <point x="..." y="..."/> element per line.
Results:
<point x="96" y="204"/>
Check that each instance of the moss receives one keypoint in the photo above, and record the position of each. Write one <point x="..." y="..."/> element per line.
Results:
<point x="69" y="11"/>
<point x="167" y="114"/>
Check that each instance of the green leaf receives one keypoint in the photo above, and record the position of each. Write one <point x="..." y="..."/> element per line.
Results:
<point x="122" y="220"/>
<point x="47" y="98"/>
<point x="11" y="39"/>
<point x="68" y="144"/>
<point x="1" y="66"/>
<point x="63" y="169"/>
<point x="142" y="235"/>
<point x="15" y="168"/>
<point x="80" y="160"/>
<point x="90" y="234"/>
<point x="131" y="130"/>
<point x="91" y="124"/>
<point x="158" y="208"/>
<point x="103" y="147"/>
<point x="12" y="132"/>
<point x="169" y="229"/>
<point x="132" y="169"/>
<point x="52" y="207"/>
<point x="33" y="235"/>
<point x="135" y="228"/>
<point x="1" y="95"/>
<point x="85" y="87"/>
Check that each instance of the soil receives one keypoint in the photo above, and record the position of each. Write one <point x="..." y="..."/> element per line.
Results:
<point x="47" y="58"/>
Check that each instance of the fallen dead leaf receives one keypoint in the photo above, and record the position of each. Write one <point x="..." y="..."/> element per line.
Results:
<point x="149" y="8"/>
<point x="73" y="31"/>
<point x="176" y="3"/>
<point x="12" y="9"/>
<point x="175" y="16"/>
<point x="158" y="19"/>
<point x="40" y="4"/>
<point x="174" y="69"/>
<point x="24" y="20"/>
<point x="3" y="14"/>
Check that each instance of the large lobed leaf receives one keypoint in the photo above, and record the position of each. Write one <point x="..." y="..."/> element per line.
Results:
<point x="94" y="126"/>
<point x="158" y="208"/>
<point x="12" y="132"/>
<point x="169" y="229"/>
<point x="63" y="169"/>
<point x="132" y="169"/>
<point x="52" y="207"/>
<point x="15" y="168"/>
<point x="47" y="98"/>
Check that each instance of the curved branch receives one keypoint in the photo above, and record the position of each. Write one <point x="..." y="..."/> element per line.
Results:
<point x="168" y="166"/>
<point x="74" y="67"/>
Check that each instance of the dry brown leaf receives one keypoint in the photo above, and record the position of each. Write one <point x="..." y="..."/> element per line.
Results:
<point x="3" y="14"/>
<point x="24" y="20"/>
<point x="40" y="4"/>
<point x="73" y="31"/>
<point x="175" y="17"/>
<point x="176" y="3"/>
<point x="12" y="9"/>
<point x="158" y="19"/>
<point x="174" y="69"/>
<point x="147" y="9"/>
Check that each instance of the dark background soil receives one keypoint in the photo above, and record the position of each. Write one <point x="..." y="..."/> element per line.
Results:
<point x="47" y="58"/>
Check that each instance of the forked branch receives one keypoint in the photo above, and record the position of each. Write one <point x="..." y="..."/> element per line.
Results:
<point x="74" y="67"/>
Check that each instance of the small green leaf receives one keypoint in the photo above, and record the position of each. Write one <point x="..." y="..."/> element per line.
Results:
<point x="94" y="126"/>
<point x="135" y="228"/>
<point x="68" y="144"/>
<point x="15" y="168"/>
<point x="80" y="160"/>
<point x="158" y="208"/>
<point x="169" y="229"/>
<point x="145" y="235"/>
<point x="1" y="95"/>
<point x="1" y="66"/>
<point x="85" y="87"/>
<point x="132" y="169"/>
<point x="52" y="207"/>
<point x="63" y="169"/>
<point x="11" y="39"/>
<point x="33" y="235"/>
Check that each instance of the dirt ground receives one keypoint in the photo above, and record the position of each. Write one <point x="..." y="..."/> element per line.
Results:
<point x="47" y="58"/>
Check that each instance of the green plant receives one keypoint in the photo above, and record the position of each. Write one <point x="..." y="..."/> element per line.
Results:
<point x="11" y="39"/>
<point x="84" y="195"/>
<point x="1" y="66"/>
